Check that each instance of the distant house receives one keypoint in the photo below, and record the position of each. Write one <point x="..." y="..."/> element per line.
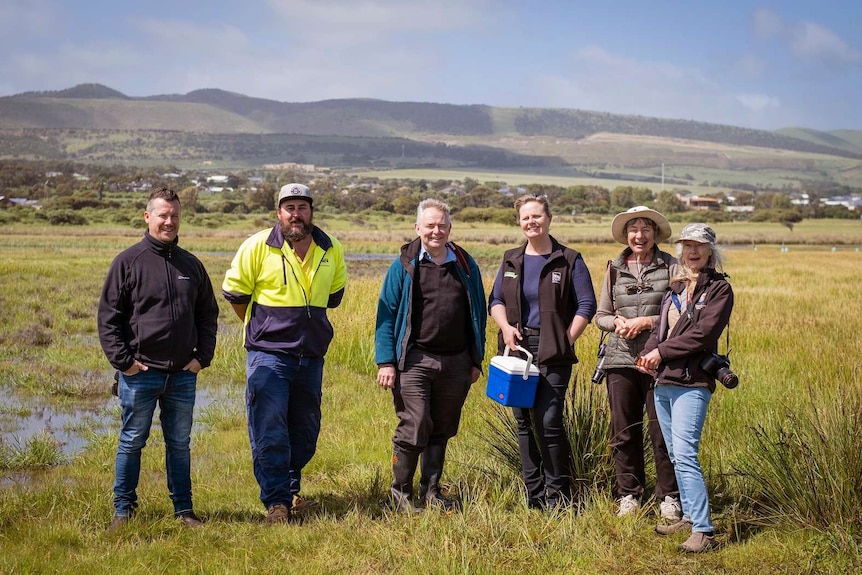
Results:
<point x="699" y="202"/>
<point x="849" y="202"/>
<point x="509" y="191"/>
<point x="799" y="199"/>
<point x="6" y="202"/>
<point x="218" y="179"/>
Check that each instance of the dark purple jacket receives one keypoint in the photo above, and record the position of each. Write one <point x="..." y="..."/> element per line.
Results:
<point x="695" y="334"/>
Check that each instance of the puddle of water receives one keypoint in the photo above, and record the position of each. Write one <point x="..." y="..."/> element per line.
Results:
<point x="21" y="420"/>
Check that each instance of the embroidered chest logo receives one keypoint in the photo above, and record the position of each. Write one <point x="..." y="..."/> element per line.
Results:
<point x="556" y="277"/>
<point x="512" y="275"/>
<point x="182" y="277"/>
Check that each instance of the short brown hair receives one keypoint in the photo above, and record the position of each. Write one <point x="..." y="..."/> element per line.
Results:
<point x="526" y="198"/>
<point x="162" y="193"/>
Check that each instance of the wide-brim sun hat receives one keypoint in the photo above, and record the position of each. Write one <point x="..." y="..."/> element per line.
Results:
<point x="618" y="226"/>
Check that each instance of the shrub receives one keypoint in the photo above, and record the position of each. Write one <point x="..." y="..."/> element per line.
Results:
<point x="63" y="218"/>
<point x="587" y="421"/>
<point x="807" y="469"/>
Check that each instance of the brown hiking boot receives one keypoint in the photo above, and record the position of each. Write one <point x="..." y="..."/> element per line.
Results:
<point x="118" y="522"/>
<point x="698" y="543"/>
<point x="302" y="505"/>
<point x="277" y="513"/>
<point x="668" y="529"/>
<point x="189" y="519"/>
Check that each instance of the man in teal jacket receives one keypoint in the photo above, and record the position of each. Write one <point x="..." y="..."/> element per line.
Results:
<point x="280" y="283"/>
<point x="429" y="346"/>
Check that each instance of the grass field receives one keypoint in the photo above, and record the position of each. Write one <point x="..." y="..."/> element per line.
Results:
<point x="788" y="436"/>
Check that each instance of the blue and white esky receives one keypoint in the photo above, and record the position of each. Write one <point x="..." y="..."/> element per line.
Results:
<point x="761" y="65"/>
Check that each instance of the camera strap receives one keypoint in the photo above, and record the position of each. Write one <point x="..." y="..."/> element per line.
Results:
<point x="727" y="339"/>
<point x="601" y="342"/>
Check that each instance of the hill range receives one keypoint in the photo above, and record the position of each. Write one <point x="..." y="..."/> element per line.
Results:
<point x="96" y="124"/>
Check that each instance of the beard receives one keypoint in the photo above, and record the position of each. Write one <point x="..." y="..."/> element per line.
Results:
<point x="297" y="235"/>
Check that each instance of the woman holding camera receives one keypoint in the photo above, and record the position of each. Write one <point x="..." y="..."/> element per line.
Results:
<point x="542" y="300"/>
<point x="628" y="307"/>
<point x="680" y="352"/>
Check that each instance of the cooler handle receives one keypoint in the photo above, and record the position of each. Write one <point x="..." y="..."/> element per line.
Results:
<point x="526" y="375"/>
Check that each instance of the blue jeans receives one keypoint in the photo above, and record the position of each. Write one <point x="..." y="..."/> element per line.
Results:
<point x="175" y="395"/>
<point x="282" y="397"/>
<point x="681" y="413"/>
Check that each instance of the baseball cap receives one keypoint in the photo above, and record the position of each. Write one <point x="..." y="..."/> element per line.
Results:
<point x="700" y="233"/>
<point x="295" y="191"/>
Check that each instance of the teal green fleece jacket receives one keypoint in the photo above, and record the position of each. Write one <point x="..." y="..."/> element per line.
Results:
<point x="395" y="306"/>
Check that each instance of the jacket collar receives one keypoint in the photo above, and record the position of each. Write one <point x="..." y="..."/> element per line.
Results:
<point x="276" y="238"/>
<point x="160" y="247"/>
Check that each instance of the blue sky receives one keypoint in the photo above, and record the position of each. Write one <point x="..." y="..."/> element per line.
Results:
<point x="755" y="64"/>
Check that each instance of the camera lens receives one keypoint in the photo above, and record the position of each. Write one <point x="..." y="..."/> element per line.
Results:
<point x="727" y="378"/>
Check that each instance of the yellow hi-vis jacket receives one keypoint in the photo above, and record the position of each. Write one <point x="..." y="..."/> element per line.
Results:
<point x="287" y="313"/>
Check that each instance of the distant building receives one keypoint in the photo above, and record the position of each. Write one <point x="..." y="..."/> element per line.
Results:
<point x="849" y="202"/>
<point x="699" y="202"/>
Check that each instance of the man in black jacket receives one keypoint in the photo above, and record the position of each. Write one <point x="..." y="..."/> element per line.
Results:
<point x="157" y="318"/>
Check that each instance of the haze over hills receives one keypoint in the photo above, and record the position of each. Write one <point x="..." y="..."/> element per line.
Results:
<point x="95" y="123"/>
<point x="94" y="106"/>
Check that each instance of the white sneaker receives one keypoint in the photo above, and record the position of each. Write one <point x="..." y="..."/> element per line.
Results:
<point x="670" y="509"/>
<point x="628" y="505"/>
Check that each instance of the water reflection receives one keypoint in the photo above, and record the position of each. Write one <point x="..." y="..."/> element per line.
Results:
<point x="21" y="419"/>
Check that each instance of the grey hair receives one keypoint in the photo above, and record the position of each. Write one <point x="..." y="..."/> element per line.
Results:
<point x="716" y="256"/>
<point x="436" y="204"/>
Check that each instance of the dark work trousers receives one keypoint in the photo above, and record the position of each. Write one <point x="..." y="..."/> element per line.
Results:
<point x="428" y="396"/>
<point x="542" y="439"/>
<point x="629" y="390"/>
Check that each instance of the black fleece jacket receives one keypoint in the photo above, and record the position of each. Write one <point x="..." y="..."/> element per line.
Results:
<point x="157" y="307"/>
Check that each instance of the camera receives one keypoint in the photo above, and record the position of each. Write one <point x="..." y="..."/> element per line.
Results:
<point x="718" y="366"/>
<point x="599" y="373"/>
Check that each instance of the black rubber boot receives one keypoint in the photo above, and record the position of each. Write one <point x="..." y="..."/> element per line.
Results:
<point x="429" y="479"/>
<point x="403" y="469"/>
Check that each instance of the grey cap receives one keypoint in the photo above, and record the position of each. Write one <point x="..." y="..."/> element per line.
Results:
<point x="296" y="191"/>
<point x="700" y="233"/>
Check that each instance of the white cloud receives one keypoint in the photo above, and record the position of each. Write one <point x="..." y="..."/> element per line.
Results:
<point x="808" y="41"/>
<point x="814" y="42"/>
<point x="376" y="21"/>
<point x="758" y="102"/>
<point x="766" y="23"/>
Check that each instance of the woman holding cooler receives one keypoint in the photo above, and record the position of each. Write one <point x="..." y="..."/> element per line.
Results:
<point x="542" y="300"/>
<point x="695" y="310"/>
<point x="628" y="308"/>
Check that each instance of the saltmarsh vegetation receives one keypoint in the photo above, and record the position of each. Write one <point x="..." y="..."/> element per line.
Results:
<point x="781" y="452"/>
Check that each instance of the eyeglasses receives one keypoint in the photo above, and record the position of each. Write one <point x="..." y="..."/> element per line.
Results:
<point x="638" y="288"/>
